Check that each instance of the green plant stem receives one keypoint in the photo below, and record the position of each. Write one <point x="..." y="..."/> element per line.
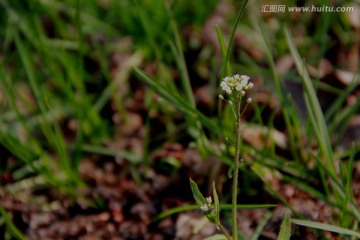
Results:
<point x="236" y="168"/>
<point x="224" y="231"/>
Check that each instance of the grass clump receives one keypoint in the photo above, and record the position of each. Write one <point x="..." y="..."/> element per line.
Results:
<point x="103" y="99"/>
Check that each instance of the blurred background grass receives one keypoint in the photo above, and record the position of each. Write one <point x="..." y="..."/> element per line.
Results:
<point x="68" y="93"/>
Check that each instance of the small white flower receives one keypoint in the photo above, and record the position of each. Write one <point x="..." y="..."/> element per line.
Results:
<point x="239" y="83"/>
<point x="209" y="200"/>
<point x="248" y="100"/>
<point x="223" y="85"/>
<point x="230" y="102"/>
<point x="245" y="78"/>
<point x="221" y="97"/>
<point x="239" y="87"/>
<point x="204" y="208"/>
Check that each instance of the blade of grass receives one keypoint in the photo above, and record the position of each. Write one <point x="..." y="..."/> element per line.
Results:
<point x="110" y="90"/>
<point x="275" y="161"/>
<point x="297" y="129"/>
<point x="300" y="183"/>
<point x="79" y="80"/>
<point x="85" y="17"/>
<point x="318" y="122"/>
<point x="130" y="156"/>
<point x="257" y="169"/>
<point x="258" y="109"/>
<point x="285" y="229"/>
<point x="283" y="100"/>
<point x="216" y="205"/>
<point x="353" y="207"/>
<point x="53" y="137"/>
<point x="231" y="40"/>
<point x="21" y="150"/>
<point x="176" y="47"/>
<point x="222" y="47"/>
<point x="318" y="135"/>
<point x="325" y="227"/>
<point x="346" y="153"/>
<point x="261" y="226"/>
<point x="222" y="207"/>
<point x="61" y="150"/>
<point x="24" y="55"/>
<point x="337" y="104"/>
<point x="5" y="82"/>
<point x="175" y="100"/>
<point x="151" y="38"/>
<point x="347" y="174"/>
<point x="314" y="107"/>
<point x="11" y="227"/>
<point x="341" y="121"/>
<point x="195" y="128"/>
<point x="216" y="237"/>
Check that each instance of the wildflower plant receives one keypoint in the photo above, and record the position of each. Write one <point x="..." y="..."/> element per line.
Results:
<point x="235" y="88"/>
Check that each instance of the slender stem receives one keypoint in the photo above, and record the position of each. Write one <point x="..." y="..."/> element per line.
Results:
<point x="236" y="168"/>
<point x="225" y="232"/>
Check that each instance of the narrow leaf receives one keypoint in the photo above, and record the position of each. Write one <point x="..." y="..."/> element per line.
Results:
<point x="222" y="47"/>
<point x="175" y="210"/>
<point x="261" y="226"/>
<point x="231" y="40"/>
<point x="11" y="227"/>
<point x="313" y="103"/>
<point x="176" y="100"/>
<point x="216" y="205"/>
<point x="326" y="227"/>
<point x="216" y="237"/>
<point x="285" y="229"/>
<point x="199" y="198"/>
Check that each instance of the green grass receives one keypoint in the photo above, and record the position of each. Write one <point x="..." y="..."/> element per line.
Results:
<point x="55" y="68"/>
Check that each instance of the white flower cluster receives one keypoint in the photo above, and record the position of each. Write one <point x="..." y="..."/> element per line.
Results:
<point x="239" y="83"/>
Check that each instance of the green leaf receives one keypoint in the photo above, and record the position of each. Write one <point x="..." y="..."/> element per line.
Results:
<point x="216" y="206"/>
<point x="231" y="40"/>
<point x="216" y="237"/>
<point x="285" y="229"/>
<point x="176" y="100"/>
<point x="261" y="226"/>
<point x="326" y="227"/>
<point x="222" y="47"/>
<point x="290" y="119"/>
<point x="184" y="208"/>
<point x="199" y="198"/>
<point x="336" y="106"/>
<point x="11" y="227"/>
<point x="313" y="105"/>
